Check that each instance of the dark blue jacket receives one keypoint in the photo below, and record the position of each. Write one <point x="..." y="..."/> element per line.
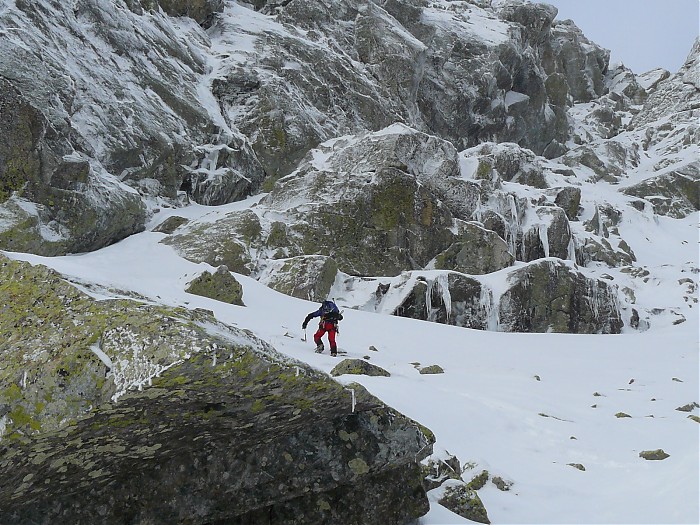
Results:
<point x="327" y="312"/>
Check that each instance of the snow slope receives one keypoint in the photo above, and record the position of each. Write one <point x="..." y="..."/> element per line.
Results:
<point x="522" y="406"/>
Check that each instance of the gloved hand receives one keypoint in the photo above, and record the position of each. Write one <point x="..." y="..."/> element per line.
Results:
<point x="303" y="325"/>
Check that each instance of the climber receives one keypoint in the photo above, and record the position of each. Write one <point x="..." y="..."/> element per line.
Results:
<point x="329" y="314"/>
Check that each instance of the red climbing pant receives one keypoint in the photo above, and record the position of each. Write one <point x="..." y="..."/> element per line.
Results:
<point x="323" y="327"/>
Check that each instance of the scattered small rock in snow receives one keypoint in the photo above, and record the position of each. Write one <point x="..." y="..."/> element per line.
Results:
<point x="631" y="381"/>
<point x="366" y="357"/>
<point x="373" y="348"/>
<point x="577" y="466"/>
<point x="573" y="437"/>
<point x="654" y="455"/>
<point x="594" y="406"/>
<point x="538" y="378"/>
<point x="432" y="369"/>
<point x="597" y="394"/>
<point x="689" y="407"/>
<point x="502" y="484"/>
<point x="622" y="414"/>
<point x="676" y="380"/>
<point x="694" y="418"/>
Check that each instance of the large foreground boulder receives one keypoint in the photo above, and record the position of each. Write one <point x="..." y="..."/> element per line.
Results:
<point x="138" y="415"/>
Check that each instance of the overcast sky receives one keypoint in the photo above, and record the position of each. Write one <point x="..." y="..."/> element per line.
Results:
<point x="643" y="34"/>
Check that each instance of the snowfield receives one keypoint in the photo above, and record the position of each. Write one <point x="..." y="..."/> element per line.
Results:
<point x="522" y="406"/>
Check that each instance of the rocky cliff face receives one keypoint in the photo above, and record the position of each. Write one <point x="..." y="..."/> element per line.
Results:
<point x="159" y="421"/>
<point x="436" y="160"/>
<point x="214" y="112"/>
<point x="361" y="109"/>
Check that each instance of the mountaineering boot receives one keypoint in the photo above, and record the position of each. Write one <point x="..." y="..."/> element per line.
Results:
<point x="334" y="353"/>
<point x="319" y="348"/>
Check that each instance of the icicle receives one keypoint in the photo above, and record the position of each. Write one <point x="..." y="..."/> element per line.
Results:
<point x="490" y="312"/>
<point x="514" y="225"/>
<point x="571" y="249"/>
<point x="544" y="238"/>
<point x="443" y="287"/>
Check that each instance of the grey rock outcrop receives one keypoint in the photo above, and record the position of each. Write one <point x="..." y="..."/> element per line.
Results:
<point x="52" y="201"/>
<point x="226" y="241"/>
<point x="568" y="199"/>
<point x="114" y="95"/>
<point x="512" y="163"/>
<point x="220" y="286"/>
<point x="205" y="428"/>
<point x="202" y="11"/>
<point x="381" y="202"/>
<point x="170" y="224"/>
<point x="673" y="194"/>
<point x="412" y="62"/>
<point x="549" y="296"/>
<point x="451" y="298"/>
<point x="475" y="251"/>
<point x="550" y="236"/>
<point x="306" y="277"/>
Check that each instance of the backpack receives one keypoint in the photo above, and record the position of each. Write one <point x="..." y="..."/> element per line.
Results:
<point x="330" y="312"/>
<point x="328" y="307"/>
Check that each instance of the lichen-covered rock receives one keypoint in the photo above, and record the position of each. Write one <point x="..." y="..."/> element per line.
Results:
<point x="170" y="224"/>
<point x="51" y="200"/>
<point x="512" y="163"/>
<point x="358" y="367"/>
<point x="654" y="455"/>
<point x="382" y="202"/>
<point x="549" y="235"/>
<point x="475" y="251"/>
<point x="431" y="369"/>
<point x="478" y="481"/>
<point x="673" y="194"/>
<point x="549" y="296"/>
<point x="220" y="428"/>
<point x="438" y="470"/>
<point x="465" y="502"/>
<point x="601" y="250"/>
<point x="221" y="286"/>
<point x="451" y="298"/>
<point x="64" y="354"/>
<point x="568" y="199"/>
<point x="307" y="277"/>
<point x="502" y="484"/>
<point x="226" y="241"/>
<point x="202" y="11"/>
